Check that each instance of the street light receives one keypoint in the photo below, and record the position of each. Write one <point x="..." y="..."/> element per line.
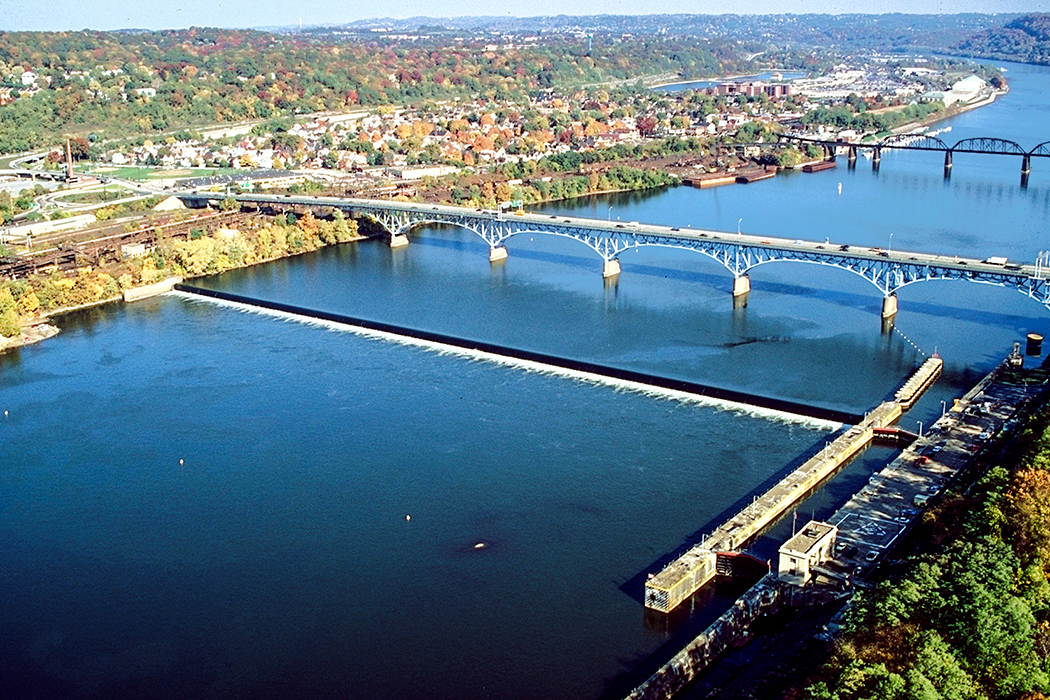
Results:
<point x="889" y="249"/>
<point x="920" y="428"/>
<point x="609" y="215"/>
<point x="944" y="408"/>
<point x="738" y="225"/>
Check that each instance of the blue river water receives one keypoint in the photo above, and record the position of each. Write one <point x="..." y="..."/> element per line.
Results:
<point x="198" y="502"/>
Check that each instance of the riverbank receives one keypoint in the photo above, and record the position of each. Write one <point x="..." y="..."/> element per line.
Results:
<point x="951" y="112"/>
<point x="28" y="335"/>
<point x="42" y="298"/>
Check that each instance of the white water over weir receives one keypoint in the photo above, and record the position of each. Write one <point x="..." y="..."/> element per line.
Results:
<point x="624" y="380"/>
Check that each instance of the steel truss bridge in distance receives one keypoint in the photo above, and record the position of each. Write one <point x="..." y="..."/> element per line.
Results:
<point x="985" y="145"/>
<point x="888" y="270"/>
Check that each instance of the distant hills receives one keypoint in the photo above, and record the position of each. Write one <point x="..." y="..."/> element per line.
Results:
<point x="846" y="32"/>
<point x="1025" y="39"/>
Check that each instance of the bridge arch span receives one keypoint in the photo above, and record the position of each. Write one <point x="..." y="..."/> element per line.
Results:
<point x="986" y="144"/>
<point x="864" y="273"/>
<point x="398" y="226"/>
<point x="915" y="141"/>
<point x="1042" y="149"/>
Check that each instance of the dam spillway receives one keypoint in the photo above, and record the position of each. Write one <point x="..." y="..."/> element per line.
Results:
<point x="639" y="380"/>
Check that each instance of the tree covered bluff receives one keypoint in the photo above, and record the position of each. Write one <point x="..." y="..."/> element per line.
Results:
<point x="1025" y="39"/>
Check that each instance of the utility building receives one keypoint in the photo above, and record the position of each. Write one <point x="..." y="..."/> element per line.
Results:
<point x="805" y="551"/>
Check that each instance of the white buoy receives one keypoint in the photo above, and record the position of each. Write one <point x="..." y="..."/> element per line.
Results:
<point x="181" y="462"/>
<point x="407" y="518"/>
<point x="840" y="188"/>
<point x="5" y="414"/>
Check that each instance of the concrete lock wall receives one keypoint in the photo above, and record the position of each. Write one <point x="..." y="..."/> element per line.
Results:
<point x="733" y="624"/>
<point x="151" y="290"/>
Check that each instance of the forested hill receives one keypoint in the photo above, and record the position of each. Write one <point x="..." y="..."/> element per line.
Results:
<point x="1025" y="39"/>
<point x="110" y="83"/>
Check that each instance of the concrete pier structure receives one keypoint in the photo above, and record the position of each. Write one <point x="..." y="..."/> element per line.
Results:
<point x="398" y="240"/>
<point x="685" y="575"/>
<point x="870" y="522"/>
<point x="889" y="306"/>
<point x="151" y="290"/>
<point x="610" y="268"/>
<point x="498" y="253"/>
<point x="741" y="285"/>
<point x="732" y="626"/>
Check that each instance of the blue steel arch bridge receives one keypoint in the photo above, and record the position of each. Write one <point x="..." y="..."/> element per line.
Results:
<point x="887" y="270"/>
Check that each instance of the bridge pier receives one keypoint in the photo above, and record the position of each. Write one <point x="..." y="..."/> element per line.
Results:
<point x="852" y="154"/>
<point x="876" y="158"/>
<point x="947" y="164"/>
<point x="741" y="286"/>
<point x="497" y="253"/>
<point x="889" y="306"/>
<point x="398" y="240"/>
<point x="610" y="268"/>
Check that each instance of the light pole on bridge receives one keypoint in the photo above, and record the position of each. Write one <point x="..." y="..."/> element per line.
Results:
<point x="889" y="248"/>
<point x="738" y="225"/>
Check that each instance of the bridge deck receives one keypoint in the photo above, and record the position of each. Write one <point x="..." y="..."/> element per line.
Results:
<point x="737" y="251"/>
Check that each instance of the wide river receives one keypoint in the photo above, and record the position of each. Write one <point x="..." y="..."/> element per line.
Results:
<point x="197" y="502"/>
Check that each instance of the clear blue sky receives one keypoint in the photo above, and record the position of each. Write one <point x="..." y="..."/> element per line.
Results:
<point x="171" y="14"/>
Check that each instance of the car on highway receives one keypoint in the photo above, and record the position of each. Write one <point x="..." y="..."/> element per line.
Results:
<point x="984" y="435"/>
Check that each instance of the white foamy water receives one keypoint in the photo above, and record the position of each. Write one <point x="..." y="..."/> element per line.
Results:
<point x="523" y="365"/>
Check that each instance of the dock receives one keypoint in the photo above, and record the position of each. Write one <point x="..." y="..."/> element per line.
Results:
<point x="710" y="180"/>
<point x="918" y="383"/>
<point x="685" y="575"/>
<point x="817" y="167"/>
<point x="745" y="178"/>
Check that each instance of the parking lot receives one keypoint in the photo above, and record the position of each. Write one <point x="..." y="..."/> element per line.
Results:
<point x="894" y="497"/>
